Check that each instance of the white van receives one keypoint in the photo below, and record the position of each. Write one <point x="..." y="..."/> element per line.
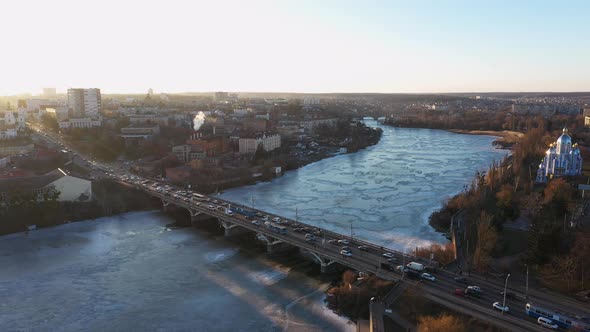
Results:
<point x="546" y="322"/>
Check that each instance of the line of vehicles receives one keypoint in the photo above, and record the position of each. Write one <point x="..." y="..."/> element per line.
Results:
<point x="547" y="318"/>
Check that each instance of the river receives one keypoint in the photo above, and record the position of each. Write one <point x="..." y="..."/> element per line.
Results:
<point x="131" y="272"/>
<point x="384" y="193"/>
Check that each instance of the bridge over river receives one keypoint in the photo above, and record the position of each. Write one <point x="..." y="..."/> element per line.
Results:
<point x="365" y="257"/>
<point x="324" y="248"/>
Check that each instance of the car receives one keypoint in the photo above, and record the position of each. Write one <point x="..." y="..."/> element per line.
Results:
<point x="546" y="322"/>
<point x="345" y="253"/>
<point x="459" y="292"/>
<point x="229" y="212"/>
<point x="474" y="288"/>
<point x="387" y="255"/>
<point x="412" y="274"/>
<point x="461" y="280"/>
<point x="256" y="222"/>
<point x="427" y="276"/>
<point x="363" y="248"/>
<point x="401" y="268"/>
<point x="393" y="260"/>
<point x="509" y="295"/>
<point x="344" y="241"/>
<point x="387" y="267"/>
<point x="309" y="237"/>
<point x="498" y="306"/>
<point x="211" y="207"/>
<point x="276" y="219"/>
<point x="347" y="248"/>
<point x="335" y="242"/>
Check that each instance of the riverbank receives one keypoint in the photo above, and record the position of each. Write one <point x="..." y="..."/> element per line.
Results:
<point x="110" y="198"/>
<point x="293" y="157"/>
<point x="506" y="138"/>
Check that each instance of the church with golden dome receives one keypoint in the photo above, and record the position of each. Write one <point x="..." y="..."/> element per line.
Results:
<point x="561" y="159"/>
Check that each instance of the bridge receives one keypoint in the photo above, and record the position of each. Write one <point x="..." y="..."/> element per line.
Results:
<point x="322" y="249"/>
<point x="326" y="251"/>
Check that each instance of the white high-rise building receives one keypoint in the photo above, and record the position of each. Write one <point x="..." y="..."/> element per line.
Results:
<point x="84" y="102"/>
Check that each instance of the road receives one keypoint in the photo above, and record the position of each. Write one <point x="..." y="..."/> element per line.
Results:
<point x="368" y="259"/>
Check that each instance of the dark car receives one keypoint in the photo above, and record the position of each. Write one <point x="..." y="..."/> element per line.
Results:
<point x="412" y="274"/>
<point x="509" y="295"/>
<point x="461" y="280"/>
<point x="387" y="267"/>
<point x="459" y="292"/>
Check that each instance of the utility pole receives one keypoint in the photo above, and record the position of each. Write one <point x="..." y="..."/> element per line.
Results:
<point x="403" y="263"/>
<point x="526" y="294"/>
<point x="351" y="231"/>
<point x="504" y="301"/>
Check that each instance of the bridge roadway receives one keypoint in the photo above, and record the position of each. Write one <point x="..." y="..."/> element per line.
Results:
<point x="370" y="260"/>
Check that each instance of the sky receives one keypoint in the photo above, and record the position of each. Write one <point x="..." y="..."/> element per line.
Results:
<point x="127" y="46"/>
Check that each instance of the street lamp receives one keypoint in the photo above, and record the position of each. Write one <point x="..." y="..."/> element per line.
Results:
<point x="504" y="301"/>
<point x="526" y="294"/>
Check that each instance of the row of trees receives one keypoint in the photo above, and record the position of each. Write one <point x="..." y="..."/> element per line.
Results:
<point x="506" y="190"/>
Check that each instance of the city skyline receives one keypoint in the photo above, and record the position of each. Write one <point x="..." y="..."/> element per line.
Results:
<point x="301" y="47"/>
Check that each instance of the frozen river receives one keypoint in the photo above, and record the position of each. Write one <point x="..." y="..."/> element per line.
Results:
<point x="385" y="192"/>
<point x="131" y="273"/>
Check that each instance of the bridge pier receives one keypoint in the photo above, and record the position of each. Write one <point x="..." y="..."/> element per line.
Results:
<point x="166" y="206"/>
<point x="196" y="216"/>
<point x="231" y="229"/>
<point x="277" y="247"/>
<point x="273" y="245"/>
<point x="326" y="265"/>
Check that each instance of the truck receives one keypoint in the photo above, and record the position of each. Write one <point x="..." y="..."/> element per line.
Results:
<point x="415" y="266"/>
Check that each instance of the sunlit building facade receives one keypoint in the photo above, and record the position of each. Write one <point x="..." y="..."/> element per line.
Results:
<point x="561" y="159"/>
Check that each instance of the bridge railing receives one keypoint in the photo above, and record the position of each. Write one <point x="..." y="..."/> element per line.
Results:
<point x="372" y="246"/>
<point x="287" y="238"/>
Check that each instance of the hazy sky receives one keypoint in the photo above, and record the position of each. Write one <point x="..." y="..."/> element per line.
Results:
<point x="295" y="46"/>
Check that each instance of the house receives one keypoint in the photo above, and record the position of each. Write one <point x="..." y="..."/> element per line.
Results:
<point x="70" y="188"/>
<point x="250" y="145"/>
<point x="139" y="133"/>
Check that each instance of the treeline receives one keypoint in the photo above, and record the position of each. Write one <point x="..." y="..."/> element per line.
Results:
<point x="503" y="119"/>
<point x="350" y="299"/>
<point x="20" y="209"/>
<point x="555" y="246"/>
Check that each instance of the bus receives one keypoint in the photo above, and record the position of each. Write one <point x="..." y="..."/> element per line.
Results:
<point x="199" y="197"/>
<point x="244" y="212"/>
<point x="561" y="319"/>
<point x="276" y="227"/>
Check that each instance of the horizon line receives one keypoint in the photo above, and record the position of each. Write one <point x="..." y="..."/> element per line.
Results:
<point x="311" y="93"/>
